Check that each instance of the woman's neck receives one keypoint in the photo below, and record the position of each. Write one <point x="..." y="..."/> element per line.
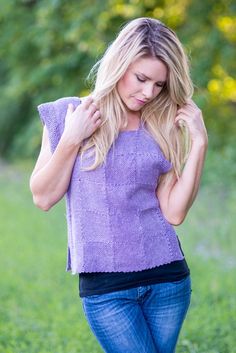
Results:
<point x="133" y="120"/>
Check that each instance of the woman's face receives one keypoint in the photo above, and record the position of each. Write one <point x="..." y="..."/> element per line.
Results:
<point x="142" y="82"/>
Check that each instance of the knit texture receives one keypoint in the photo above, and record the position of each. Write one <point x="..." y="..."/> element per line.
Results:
<point x="114" y="220"/>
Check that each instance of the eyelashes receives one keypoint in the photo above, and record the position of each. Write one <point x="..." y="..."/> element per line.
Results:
<point x="139" y="79"/>
<point x="160" y="85"/>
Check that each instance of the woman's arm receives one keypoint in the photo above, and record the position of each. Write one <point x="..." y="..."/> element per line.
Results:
<point x="51" y="176"/>
<point x="177" y="196"/>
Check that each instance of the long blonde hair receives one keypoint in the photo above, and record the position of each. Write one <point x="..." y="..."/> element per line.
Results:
<point x="139" y="38"/>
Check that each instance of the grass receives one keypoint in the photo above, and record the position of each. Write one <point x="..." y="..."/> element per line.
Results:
<point x="40" y="309"/>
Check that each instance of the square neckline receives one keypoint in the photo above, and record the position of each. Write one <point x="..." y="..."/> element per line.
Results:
<point x="133" y="131"/>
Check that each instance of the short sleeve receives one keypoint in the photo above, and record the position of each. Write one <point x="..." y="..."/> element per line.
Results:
<point x="52" y="114"/>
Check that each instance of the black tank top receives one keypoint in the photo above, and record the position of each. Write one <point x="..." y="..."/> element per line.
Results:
<point x="106" y="282"/>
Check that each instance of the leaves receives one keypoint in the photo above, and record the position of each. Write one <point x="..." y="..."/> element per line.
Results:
<point x="48" y="47"/>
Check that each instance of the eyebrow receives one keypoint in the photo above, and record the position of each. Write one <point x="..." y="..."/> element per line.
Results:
<point x="148" y="78"/>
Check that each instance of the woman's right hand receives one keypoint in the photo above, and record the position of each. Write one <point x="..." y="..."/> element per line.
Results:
<point x="80" y="123"/>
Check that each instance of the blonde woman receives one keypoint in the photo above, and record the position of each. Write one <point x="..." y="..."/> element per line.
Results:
<point x="129" y="158"/>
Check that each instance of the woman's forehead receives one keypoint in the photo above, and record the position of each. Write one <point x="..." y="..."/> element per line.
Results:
<point x="153" y="68"/>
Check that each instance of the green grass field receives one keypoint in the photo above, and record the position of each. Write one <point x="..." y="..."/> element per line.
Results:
<point x="40" y="309"/>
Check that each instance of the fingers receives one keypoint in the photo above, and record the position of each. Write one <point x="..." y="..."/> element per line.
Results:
<point x="92" y="109"/>
<point x="187" y="109"/>
<point x="182" y="114"/>
<point x="96" y="118"/>
<point x="87" y="102"/>
<point x="70" y="108"/>
<point x="96" y="115"/>
<point x="88" y="105"/>
<point x="98" y="122"/>
<point x="180" y="122"/>
<point x="190" y="105"/>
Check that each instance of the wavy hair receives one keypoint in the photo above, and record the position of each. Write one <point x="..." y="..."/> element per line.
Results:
<point x="142" y="37"/>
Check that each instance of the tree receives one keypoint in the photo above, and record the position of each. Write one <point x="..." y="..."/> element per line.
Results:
<point x="48" y="47"/>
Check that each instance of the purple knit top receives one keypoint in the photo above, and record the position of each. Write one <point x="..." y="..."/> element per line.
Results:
<point x="114" y="220"/>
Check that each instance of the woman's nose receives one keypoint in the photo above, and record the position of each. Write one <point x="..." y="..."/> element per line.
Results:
<point x="148" y="91"/>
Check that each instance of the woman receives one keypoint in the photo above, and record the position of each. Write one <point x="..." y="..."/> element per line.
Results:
<point x="129" y="158"/>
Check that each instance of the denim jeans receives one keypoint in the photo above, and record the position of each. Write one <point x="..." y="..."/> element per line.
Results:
<point x="145" y="319"/>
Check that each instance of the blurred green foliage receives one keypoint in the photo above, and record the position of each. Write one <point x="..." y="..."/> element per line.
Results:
<point x="47" y="48"/>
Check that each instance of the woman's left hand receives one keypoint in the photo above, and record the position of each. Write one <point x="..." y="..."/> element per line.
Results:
<point x="192" y="116"/>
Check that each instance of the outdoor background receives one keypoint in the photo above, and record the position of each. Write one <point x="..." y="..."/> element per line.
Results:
<point x="46" y="50"/>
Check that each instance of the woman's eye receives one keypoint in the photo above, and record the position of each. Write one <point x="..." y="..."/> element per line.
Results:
<point x="140" y="79"/>
<point x="161" y="85"/>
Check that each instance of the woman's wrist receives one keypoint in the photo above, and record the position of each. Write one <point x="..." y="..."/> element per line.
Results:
<point x="70" y="142"/>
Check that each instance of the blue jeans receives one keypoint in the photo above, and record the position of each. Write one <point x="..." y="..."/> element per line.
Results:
<point x="144" y="319"/>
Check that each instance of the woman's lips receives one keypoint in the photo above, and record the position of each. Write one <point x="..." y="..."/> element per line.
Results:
<point x="140" y="101"/>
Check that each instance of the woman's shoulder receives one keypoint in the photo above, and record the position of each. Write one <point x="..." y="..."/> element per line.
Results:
<point x="62" y="103"/>
<point x="59" y="104"/>
<point x="53" y="112"/>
